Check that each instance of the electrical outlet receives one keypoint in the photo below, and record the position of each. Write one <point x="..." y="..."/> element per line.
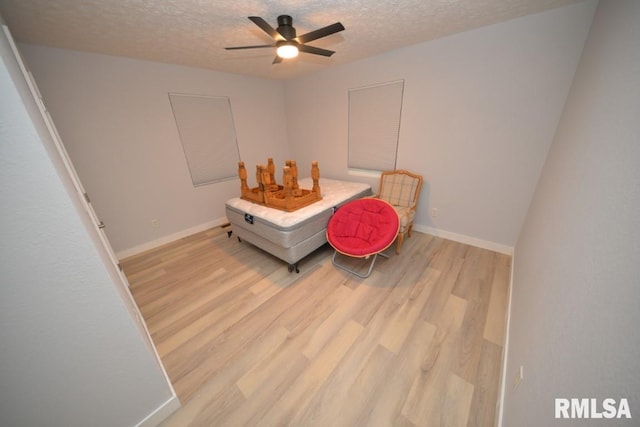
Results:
<point x="155" y="223"/>
<point x="434" y="212"/>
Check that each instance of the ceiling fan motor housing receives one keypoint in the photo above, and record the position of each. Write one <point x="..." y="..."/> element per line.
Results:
<point x="285" y="27"/>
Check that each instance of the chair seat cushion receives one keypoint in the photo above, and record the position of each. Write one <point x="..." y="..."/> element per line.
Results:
<point x="363" y="227"/>
<point x="406" y="215"/>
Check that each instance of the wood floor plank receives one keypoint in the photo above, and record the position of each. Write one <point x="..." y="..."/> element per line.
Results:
<point x="193" y="367"/>
<point x="316" y="303"/>
<point x="361" y="394"/>
<point x="209" y="402"/>
<point x="472" y="328"/>
<point x="213" y="320"/>
<point x="245" y="342"/>
<point x="336" y="387"/>
<point x="398" y="328"/>
<point x="485" y="394"/>
<point x="389" y="400"/>
<point x="338" y="317"/>
<point x="252" y="411"/>
<point x="449" y="272"/>
<point x="494" y="328"/>
<point x="424" y="404"/>
<point x="297" y="397"/>
<point x="185" y="305"/>
<point x="457" y="401"/>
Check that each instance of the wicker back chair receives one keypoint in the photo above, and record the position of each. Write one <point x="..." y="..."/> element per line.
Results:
<point x="401" y="189"/>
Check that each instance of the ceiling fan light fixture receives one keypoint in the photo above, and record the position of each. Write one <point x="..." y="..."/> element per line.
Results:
<point x="285" y="40"/>
<point x="287" y="50"/>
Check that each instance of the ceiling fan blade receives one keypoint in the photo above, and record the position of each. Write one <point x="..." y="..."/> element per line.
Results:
<point x="250" y="47"/>
<point x="322" y="32"/>
<point x="315" y="50"/>
<point x="264" y="25"/>
<point x="277" y="60"/>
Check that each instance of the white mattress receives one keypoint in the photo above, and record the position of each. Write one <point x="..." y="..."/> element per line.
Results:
<point x="333" y="193"/>
<point x="292" y="235"/>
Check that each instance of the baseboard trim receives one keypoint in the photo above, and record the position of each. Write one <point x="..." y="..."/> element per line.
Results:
<point x="170" y="238"/>
<point x="468" y="240"/>
<point x="505" y="352"/>
<point x="161" y="413"/>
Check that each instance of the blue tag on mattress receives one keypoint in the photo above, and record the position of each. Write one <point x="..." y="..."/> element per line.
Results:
<point x="248" y="218"/>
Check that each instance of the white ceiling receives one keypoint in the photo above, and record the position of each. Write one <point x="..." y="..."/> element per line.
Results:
<point x="195" y="32"/>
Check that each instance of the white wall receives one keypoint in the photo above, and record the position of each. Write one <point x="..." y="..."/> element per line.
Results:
<point x="115" y="119"/>
<point x="479" y="113"/>
<point x="575" y="305"/>
<point x="71" y="354"/>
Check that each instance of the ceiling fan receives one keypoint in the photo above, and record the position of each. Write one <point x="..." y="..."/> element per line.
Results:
<point x="285" y="40"/>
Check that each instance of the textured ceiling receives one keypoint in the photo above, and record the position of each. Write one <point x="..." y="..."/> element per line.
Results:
<point x="195" y="32"/>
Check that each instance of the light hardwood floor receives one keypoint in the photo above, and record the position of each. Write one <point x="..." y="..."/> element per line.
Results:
<point x="245" y="342"/>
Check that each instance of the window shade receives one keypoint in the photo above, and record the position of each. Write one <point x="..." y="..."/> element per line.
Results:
<point x="374" y="126"/>
<point x="208" y="136"/>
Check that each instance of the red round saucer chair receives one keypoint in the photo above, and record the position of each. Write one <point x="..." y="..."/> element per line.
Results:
<point x="362" y="228"/>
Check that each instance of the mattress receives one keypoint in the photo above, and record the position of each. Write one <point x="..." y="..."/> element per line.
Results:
<point x="291" y="236"/>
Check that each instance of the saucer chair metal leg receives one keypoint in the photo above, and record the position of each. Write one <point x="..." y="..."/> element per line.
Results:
<point x="355" y="273"/>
